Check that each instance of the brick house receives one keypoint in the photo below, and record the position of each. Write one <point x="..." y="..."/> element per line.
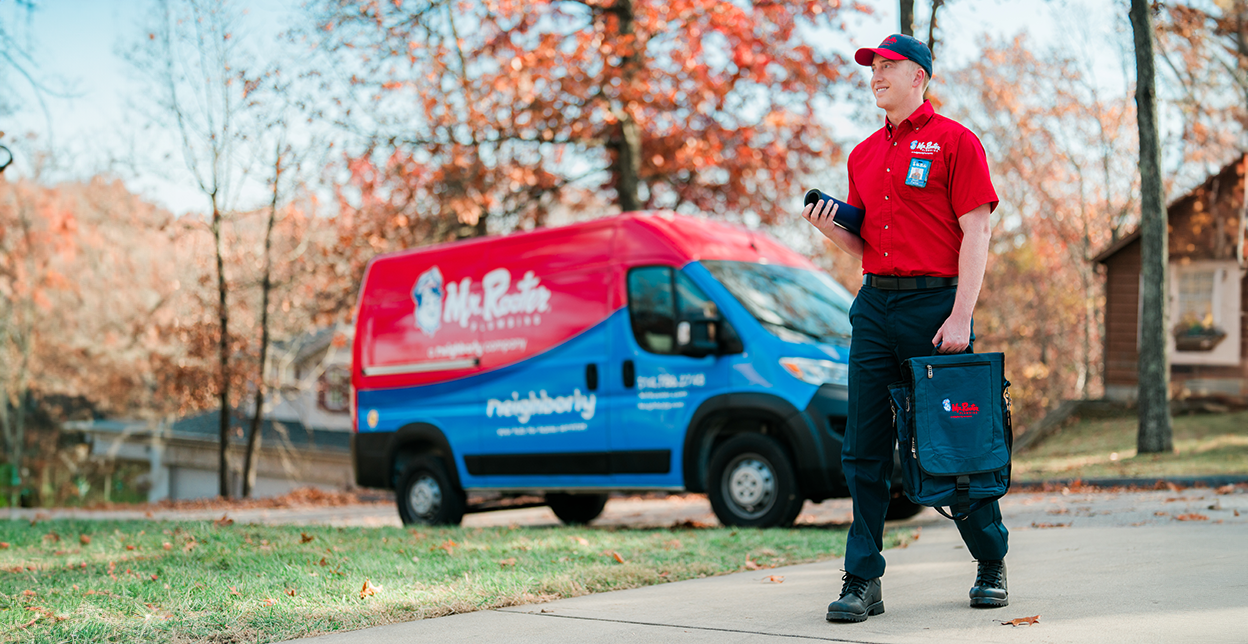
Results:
<point x="1208" y="294"/>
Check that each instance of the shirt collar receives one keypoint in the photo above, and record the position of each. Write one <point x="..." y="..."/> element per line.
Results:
<point x="918" y="119"/>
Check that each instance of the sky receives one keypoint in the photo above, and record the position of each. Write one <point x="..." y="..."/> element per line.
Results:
<point x="96" y="125"/>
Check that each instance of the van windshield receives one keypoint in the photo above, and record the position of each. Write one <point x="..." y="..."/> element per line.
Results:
<point x="795" y="304"/>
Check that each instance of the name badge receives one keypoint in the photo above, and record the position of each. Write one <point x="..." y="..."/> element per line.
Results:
<point x="917" y="175"/>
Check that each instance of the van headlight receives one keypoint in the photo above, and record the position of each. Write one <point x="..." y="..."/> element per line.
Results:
<point x="817" y="372"/>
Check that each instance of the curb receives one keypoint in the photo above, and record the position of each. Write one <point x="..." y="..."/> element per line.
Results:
<point x="1149" y="483"/>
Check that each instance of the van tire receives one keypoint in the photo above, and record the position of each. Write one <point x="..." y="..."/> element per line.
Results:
<point x="426" y="495"/>
<point x="752" y="483"/>
<point x="576" y="509"/>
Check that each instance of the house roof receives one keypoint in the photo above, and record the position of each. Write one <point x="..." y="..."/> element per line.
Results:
<point x="1122" y="243"/>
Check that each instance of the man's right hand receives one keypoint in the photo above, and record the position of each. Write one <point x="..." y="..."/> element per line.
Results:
<point x="821" y="214"/>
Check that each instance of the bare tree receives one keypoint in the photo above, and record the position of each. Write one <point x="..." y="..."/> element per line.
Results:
<point x="1154" y="366"/>
<point x="193" y="62"/>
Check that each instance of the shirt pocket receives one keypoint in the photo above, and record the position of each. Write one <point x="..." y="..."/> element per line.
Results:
<point x="924" y="177"/>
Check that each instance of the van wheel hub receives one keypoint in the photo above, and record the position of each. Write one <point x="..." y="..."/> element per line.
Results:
<point x="751" y="485"/>
<point x="425" y="496"/>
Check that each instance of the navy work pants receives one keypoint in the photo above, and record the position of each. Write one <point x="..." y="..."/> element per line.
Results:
<point x="889" y="327"/>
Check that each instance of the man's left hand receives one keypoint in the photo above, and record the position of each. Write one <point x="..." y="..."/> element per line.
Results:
<point x="954" y="336"/>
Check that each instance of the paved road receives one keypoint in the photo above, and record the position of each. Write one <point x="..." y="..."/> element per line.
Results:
<point x="1022" y="509"/>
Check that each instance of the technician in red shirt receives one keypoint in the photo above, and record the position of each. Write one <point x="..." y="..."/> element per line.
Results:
<point x="923" y="181"/>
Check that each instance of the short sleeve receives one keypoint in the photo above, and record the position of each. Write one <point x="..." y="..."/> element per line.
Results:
<point x="853" y="198"/>
<point x="970" y="185"/>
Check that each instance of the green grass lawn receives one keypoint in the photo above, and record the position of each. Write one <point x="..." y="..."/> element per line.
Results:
<point x="1205" y="444"/>
<point x="127" y="581"/>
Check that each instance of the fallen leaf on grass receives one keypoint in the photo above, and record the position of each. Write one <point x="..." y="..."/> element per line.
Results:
<point x="190" y="545"/>
<point x="368" y="590"/>
<point x="674" y="544"/>
<point x="167" y="546"/>
<point x="750" y="565"/>
<point x="583" y="541"/>
<point x="84" y="539"/>
<point x="130" y="546"/>
<point x="4" y="545"/>
<point x="775" y="579"/>
<point x="52" y="537"/>
<point x="305" y="537"/>
<point x="509" y="561"/>
<point x="614" y="555"/>
<point x="268" y="601"/>
<point x="234" y="592"/>
<point x="224" y="521"/>
<point x="29" y="593"/>
<point x="690" y="524"/>
<point x="290" y="591"/>
<point x="449" y="546"/>
<point x="1035" y="619"/>
<point x="1190" y="516"/>
<point x="1049" y="525"/>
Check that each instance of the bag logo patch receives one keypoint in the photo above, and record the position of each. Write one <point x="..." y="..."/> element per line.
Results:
<point x="960" y="410"/>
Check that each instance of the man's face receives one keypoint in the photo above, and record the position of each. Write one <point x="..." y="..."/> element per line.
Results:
<point x="892" y="81"/>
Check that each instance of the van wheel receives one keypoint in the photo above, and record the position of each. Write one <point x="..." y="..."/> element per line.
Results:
<point x="576" y="509"/>
<point x="901" y="507"/>
<point x="426" y="495"/>
<point x="752" y="483"/>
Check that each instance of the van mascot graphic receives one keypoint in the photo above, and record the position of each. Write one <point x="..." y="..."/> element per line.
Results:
<point x="428" y="297"/>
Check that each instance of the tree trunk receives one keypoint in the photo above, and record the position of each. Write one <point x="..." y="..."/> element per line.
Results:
<point x="1154" y="370"/>
<point x="626" y="145"/>
<point x="931" y="28"/>
<point x="907" y="17"/>
<point x="223" y="358"/>
<point x="266" y="285"/>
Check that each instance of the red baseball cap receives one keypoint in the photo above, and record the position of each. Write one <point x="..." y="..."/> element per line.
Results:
<point x="898" y="47"/>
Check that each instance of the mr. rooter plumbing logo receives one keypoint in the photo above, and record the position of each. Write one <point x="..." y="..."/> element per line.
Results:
<point x="438" y="301"/>
<point x="960" y="410"/>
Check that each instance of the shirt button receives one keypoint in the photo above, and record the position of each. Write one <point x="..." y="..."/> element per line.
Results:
<point x="885" y="227"/>
<point x="886" y="254"/>
<point x="894" y="144"/>
<point x="885" y="197"/>
<point x="888" y="169"/>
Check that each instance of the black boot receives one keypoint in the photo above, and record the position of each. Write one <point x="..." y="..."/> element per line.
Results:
<point x="859" y="599"/>
<point x="990" y="589"/>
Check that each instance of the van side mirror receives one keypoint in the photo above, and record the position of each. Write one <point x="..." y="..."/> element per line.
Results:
<point x="698" y="337"/>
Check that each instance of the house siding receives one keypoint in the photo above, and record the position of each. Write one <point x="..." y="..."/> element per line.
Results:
<point x="1203" y="224"/>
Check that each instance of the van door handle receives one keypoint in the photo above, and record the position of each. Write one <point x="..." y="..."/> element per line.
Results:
<point x="630" y="374"/>
<point x="591" y="377"/>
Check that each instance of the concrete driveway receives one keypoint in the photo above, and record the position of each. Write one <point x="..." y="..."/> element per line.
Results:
<point x="1164" y="566"/>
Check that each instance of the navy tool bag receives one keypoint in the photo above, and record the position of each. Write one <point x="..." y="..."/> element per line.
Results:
<point x="952" y="414"/>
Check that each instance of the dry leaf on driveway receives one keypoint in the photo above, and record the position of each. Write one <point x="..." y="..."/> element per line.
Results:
<point x="1035" y="619"/>
<point x="1191" y="516"/>
<point x="1049" y="525"/>
<point x="775" y="579"/>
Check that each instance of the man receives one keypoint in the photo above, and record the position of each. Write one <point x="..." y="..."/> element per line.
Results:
<point x="923" y="181"/>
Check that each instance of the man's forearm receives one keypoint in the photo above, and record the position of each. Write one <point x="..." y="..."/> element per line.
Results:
<point x="972" y="260"/>
<point x="845" y="240"/>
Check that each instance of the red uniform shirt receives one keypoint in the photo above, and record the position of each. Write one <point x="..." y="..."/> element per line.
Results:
<point x="914" y="181"/>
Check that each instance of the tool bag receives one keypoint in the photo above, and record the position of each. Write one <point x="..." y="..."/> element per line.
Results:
<point x="952" y="415"/>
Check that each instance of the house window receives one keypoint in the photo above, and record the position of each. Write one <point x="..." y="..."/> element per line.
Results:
<point x="334" y="390"/>
<point x="1196" y="300"/>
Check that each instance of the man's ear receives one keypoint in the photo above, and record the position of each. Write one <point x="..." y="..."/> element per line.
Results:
<point x="919" y="73"/>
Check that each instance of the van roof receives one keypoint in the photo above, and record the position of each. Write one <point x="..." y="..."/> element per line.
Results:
<point x="654" y="236"/>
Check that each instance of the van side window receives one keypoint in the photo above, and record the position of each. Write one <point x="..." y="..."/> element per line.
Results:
<point x="652" y="308"/>
<point x="655" y="295"/>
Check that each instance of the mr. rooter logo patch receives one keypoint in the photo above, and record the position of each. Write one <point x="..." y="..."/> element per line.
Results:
<point x="960" y="410"/>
